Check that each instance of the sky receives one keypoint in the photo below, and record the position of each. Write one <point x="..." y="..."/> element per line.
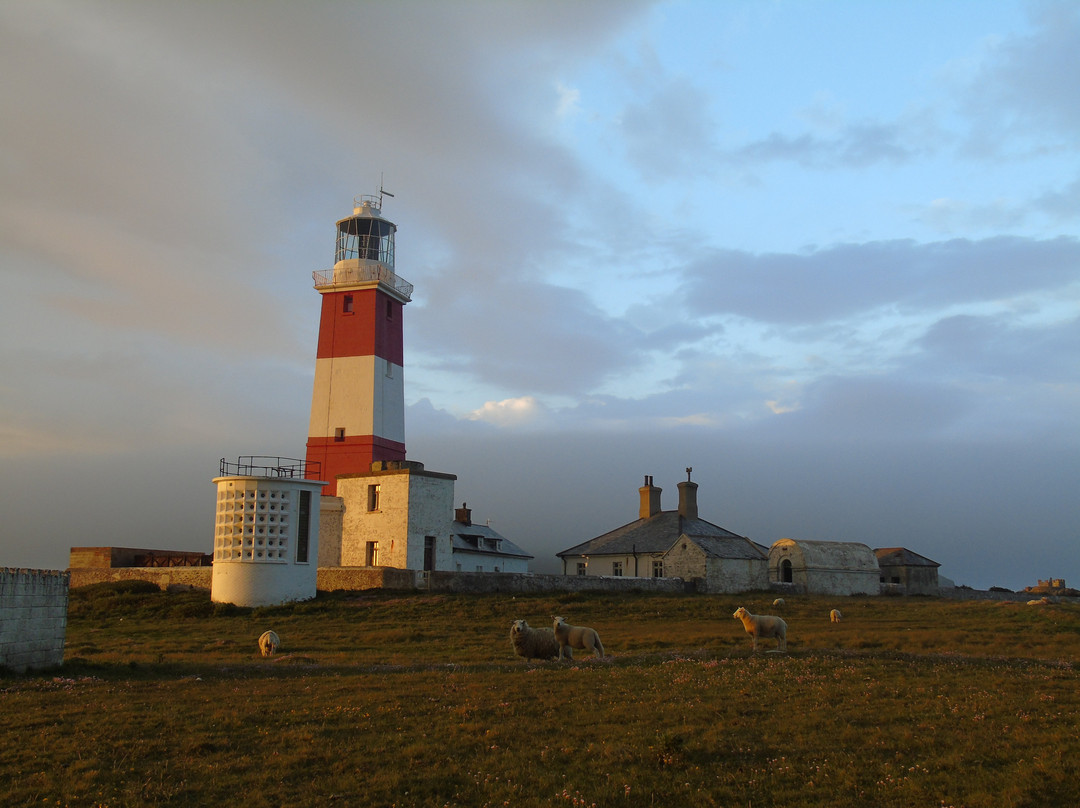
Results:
<point x="823" y="253"/>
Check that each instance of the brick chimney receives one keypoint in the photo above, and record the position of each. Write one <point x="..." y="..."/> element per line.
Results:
<point x="688" y="498"/>
<point x="463" y="515"/>
<point x="650" y="499"/>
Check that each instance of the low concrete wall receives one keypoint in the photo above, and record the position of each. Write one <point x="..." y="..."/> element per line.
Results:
<point x="33" y="618"/>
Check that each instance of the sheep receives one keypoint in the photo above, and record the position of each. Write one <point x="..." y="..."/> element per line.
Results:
<point x="834" y="616"/>
<point x="779" y="602"/>
<point x="268" y="643"/>
<point x="533" y="643"/>
<point x="571" y="637"/>
<point x="763" y="625"/>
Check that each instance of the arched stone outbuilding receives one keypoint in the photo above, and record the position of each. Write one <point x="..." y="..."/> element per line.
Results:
<point x="825" y="567"/>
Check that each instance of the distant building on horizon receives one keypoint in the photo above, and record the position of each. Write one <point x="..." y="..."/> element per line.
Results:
<point x="907" y="572"/>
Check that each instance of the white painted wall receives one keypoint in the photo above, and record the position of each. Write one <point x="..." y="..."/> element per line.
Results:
<point x="255" y="541"/>
<point x="363" y="394"/>
<point x="413" y="504"/>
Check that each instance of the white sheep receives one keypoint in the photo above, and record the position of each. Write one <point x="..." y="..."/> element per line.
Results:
<point x="779" y="602"/>
<point x="763" y="625"/>
<point x="533" y="643"/>
<point x="834" y="616"/>
<point x="268" y="643"/>
<point x="571" y="637"/>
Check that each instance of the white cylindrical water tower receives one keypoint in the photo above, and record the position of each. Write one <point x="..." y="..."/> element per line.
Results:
<point x="266" y="534"/>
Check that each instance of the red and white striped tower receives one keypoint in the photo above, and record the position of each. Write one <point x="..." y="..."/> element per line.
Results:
<point x="358" y="402"/>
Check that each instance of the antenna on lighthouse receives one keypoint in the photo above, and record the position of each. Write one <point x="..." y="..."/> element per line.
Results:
<point x="382" y="191"/>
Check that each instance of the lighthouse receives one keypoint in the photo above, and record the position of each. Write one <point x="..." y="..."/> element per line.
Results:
<point x="358" y="401"/>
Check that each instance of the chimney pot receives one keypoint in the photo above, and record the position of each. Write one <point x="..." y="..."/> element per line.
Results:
<point x="688" y="500"/>
<point x="463" y="514"/>
<point x="650" y="499"/>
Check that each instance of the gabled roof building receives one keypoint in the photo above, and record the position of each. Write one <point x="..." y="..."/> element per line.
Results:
<point x="672" y="544"/>
<point x="479" y="548"/>
<point x="905" y="571"/>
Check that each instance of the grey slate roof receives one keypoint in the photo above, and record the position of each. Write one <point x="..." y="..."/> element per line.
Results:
<point x="727" y="547"/>
<point x="902" y="557"/>
<point x="477" y="539"/>
<point x="655" y="534"/>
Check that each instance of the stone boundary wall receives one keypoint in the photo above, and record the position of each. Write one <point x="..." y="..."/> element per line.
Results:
<point x="485" y="582"/>
<point x="359" y="578"/>
<point x="355" y="578"/>
<point x="33" y="618"/>
<point x="164" y="577"/>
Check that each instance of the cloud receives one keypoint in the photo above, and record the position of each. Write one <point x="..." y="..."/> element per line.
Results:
<point x="669" y="132"/>
<point x="1021" y="85"/>
<point x="525" y="335"/>
<point x="849" y="279"/>
<point x="510" y="412"/>
<point x="569" y="100"/>
<point x="857" y="146"/>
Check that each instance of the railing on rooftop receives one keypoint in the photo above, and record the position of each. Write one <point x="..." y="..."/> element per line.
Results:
<point x="364" y="273"/>
<point x="265" y="466"/>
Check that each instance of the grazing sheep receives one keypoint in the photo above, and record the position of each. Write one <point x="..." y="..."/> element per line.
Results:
<point x="779" y="602"/>
<point x="835" y="616"/>
<point x="533" y="643"/>
<point x="268" y="643"/>
<point x="763" y="625"/>
<point x="571" y="637"/>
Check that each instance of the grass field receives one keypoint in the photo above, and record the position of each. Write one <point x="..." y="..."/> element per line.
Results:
<point x="415" y="700"/>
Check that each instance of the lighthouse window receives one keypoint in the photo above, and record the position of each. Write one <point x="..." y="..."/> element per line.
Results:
<point x="347" y="304"/>
<point x="389" y="309"/>
<point x="303" y="528"/>
<point x="339" y="434"/>
<point x="373" y="497"/>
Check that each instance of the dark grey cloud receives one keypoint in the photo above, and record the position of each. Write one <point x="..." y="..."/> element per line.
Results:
<point x="850" y="279"/>
<point x="1000" y="347"/>
<point x="524" y="336"/>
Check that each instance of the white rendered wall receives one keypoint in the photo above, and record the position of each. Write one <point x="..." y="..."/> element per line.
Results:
<point x="33" y="618"/>
<point x="412" y="506"/>
<point x="363" y="394"/>
<point x="255" y="541"/>
<point x="482" y="562"/>
<point x="431" y="512"/>
<point x="388" y="524"/>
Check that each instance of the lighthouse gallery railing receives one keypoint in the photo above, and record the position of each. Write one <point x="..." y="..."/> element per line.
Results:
<point x="365" y="273"/>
